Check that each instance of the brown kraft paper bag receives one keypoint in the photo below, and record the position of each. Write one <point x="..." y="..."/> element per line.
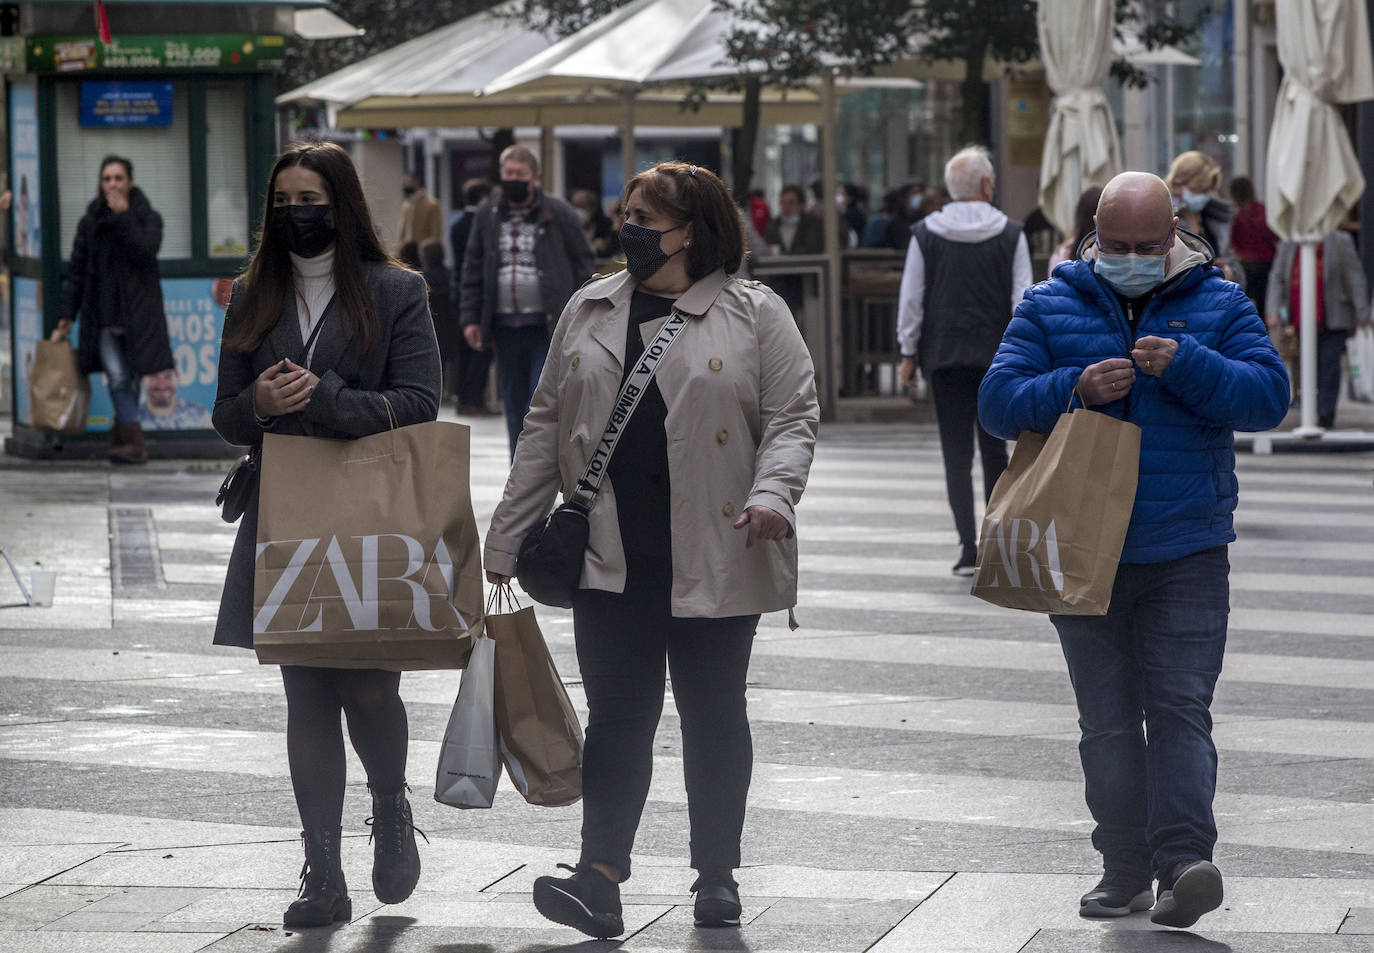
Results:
<point x="59" y="394"/>
<point x="1054" y="527"/>
<point x="367" y="551"/>
<point x="539" y="734"/>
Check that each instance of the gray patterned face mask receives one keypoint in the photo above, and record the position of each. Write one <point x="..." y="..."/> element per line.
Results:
<point x="643" y="254"/>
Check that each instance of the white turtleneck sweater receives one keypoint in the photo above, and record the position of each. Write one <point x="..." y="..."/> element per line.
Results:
<point x="314" y="281"/>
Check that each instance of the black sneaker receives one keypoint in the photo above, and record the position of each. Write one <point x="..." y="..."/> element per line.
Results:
<point x="968" y="561"/>
<point x="1117" y="894"/>
<point x="1188" y="890"/>
<point x="587" y="901"/>
<point x="717" y="903"/>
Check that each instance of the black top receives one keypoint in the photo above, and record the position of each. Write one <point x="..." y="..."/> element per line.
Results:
<point x="639" y="466"/>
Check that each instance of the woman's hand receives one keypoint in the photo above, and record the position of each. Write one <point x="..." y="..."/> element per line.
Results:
<point x="496" y="579"/>
<point x="763" y="523"/>
<point x="282" y="389"/>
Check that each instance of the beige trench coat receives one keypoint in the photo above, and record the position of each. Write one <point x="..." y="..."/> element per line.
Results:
<point x="742" y="417"/>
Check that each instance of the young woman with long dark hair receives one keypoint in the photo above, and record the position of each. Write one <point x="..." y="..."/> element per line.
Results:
<point x="323" y="331"/>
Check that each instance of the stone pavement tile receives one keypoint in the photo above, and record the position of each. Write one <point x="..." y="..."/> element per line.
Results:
<point x="1360" y="920"/>
<point x="32" y="863"/>
<point x="443" y="910"/>
<point x="1068" y="941"/>
<point x="53" y="941"/>
<point x="675" y="933"/>
<point x="37" y="906"/>
<point x="1000" y="913"/>
<point x="864" y="917"/>
<point x="406" y="937"/>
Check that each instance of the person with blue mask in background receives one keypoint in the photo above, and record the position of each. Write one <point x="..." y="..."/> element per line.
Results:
<point x="1145" y="328"/>
<point x="1194" y="180"/>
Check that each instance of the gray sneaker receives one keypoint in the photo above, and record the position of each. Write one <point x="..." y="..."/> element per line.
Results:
<point x="1194" y="888"/>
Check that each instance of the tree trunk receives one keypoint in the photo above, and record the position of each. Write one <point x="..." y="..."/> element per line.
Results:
<point x="746" y="140"/>
<point x="973" y="113"/>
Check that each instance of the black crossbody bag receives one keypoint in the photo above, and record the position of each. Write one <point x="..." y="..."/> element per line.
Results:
<point x="237" y="488"/>
<point x="549" y="564"/>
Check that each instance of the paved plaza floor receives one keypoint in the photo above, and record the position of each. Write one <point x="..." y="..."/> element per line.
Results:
<point x="916" y="789"/>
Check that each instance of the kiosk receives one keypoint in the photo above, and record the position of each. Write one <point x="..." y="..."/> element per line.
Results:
<point x="185" y="91"/>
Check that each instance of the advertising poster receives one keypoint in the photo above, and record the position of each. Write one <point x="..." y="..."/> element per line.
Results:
<point x="28" y="330"/>
<point x="24" y="168"/>
<point x="179" y="399"/>
<point x="126" y="104"/>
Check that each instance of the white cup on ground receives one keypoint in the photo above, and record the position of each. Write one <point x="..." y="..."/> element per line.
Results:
<point x="43" y="583"/>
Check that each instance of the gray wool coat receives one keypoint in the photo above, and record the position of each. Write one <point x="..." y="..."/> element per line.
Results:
<point x="403" y="365"/>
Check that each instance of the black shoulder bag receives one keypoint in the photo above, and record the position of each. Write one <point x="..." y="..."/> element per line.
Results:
<point x="237" y="488"/>
<point x="549" y="564"/>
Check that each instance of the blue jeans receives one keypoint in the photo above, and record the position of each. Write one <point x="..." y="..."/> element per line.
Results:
<point x="520" y="354"/>
<point x="1154" y="659"/>
<point x="123" y="384"/>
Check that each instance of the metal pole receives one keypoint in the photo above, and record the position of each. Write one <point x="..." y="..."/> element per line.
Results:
<point x="627" y="141"/>
<point x="1240" y="160"/>
<point x="824" y="352"/>
<point x="1307" y="338"/>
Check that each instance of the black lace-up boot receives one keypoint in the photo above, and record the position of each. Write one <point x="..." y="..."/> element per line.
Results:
<point x="395" y="857"/>
<point x="323" y="897"/>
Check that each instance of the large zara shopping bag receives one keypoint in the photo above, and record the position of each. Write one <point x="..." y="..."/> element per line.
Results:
<point x="367" y="551"/>
<point x="1057" y="519"/>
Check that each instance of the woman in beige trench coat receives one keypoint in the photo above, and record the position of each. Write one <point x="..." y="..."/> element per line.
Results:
<point x="692" y="536"/>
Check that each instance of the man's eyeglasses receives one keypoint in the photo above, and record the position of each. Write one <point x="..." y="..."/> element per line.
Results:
<point x="1144" y="248"/>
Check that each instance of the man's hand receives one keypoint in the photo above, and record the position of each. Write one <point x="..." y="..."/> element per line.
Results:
<point x="497" y="579"/>
<point x="1153" y="355"/>
<point x="283" y="389"/>
<point x="907" y="372"/>
<point x="1106" y="381"/>
<point x="64" y="326"/>
<point x="472" y="333"/>
<point x="763" y="523"/>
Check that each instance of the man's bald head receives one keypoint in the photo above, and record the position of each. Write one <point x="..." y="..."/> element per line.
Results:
<point x="1138" y="198"/>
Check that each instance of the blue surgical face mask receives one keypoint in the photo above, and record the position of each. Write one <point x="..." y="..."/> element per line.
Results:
<point x="791" y="221"/>
<point x="1195" y="201"/>
<point x="1131" y="274"/>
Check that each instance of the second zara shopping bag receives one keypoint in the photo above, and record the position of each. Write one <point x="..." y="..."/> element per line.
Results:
<point x="1057" y="519"/>
<point x="367" y="551"/>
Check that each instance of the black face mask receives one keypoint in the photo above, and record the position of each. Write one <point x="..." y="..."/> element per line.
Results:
<point x="643" y="254"/>
<point x="407" y="190"/>
<point x="515" y="191"/>
<point x="307" y="230"/>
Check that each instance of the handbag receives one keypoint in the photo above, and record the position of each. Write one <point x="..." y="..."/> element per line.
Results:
<point x="549" y="562"/>
<point x="237" y="488"/>
<point x="239" y="483"/>
<point x="469" y="759"/>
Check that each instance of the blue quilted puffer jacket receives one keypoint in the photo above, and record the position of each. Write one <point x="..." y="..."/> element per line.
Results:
<point x="1225" y="376"/>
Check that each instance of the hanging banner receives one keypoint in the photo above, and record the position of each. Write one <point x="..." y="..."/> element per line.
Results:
<point x="225" y="51"/>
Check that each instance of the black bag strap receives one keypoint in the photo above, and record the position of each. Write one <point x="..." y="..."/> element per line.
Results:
<point x="631" y="393"/>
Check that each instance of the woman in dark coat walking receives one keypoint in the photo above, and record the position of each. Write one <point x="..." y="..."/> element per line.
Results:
<point x="113" y="282"/>
<point x="322" y="332"/>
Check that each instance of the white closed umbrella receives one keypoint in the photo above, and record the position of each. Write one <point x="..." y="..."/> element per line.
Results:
<point x="1313" y="176"/>
<point x="1081" y="147"/>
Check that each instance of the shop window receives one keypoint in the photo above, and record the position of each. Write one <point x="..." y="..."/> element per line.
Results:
<point x="160" y="155"/>
<point x="226" y="174"/>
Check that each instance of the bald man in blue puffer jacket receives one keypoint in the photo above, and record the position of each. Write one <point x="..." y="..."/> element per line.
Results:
<point x="1145" y="328"/>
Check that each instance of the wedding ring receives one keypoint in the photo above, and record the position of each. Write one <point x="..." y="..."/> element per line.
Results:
<point x="1147" y="365"/>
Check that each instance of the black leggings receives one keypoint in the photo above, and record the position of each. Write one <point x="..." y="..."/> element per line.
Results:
<point x="623" y="642"/>
<point x="370" y="699"/>
<point x="955" y="391"/>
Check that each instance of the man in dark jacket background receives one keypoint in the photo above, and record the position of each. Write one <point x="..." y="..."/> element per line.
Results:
<point x="966" y="268"/>
<point x="1146" y="328"/>
<point x="114" y="286"/>
<point x="525" y="258"/>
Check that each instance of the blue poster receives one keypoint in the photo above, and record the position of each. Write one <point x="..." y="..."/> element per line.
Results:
<point x="28" y="330"/>
<point x="177" y="399"/>
<point x="126" y="104"/>
<point x="24" y="169"/>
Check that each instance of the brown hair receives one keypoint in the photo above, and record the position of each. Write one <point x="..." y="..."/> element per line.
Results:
<point x="796" y="190"/>
<point x="1242" y="190"/>
<point x="695" y="196"/>
<point x="267" y="279"/>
